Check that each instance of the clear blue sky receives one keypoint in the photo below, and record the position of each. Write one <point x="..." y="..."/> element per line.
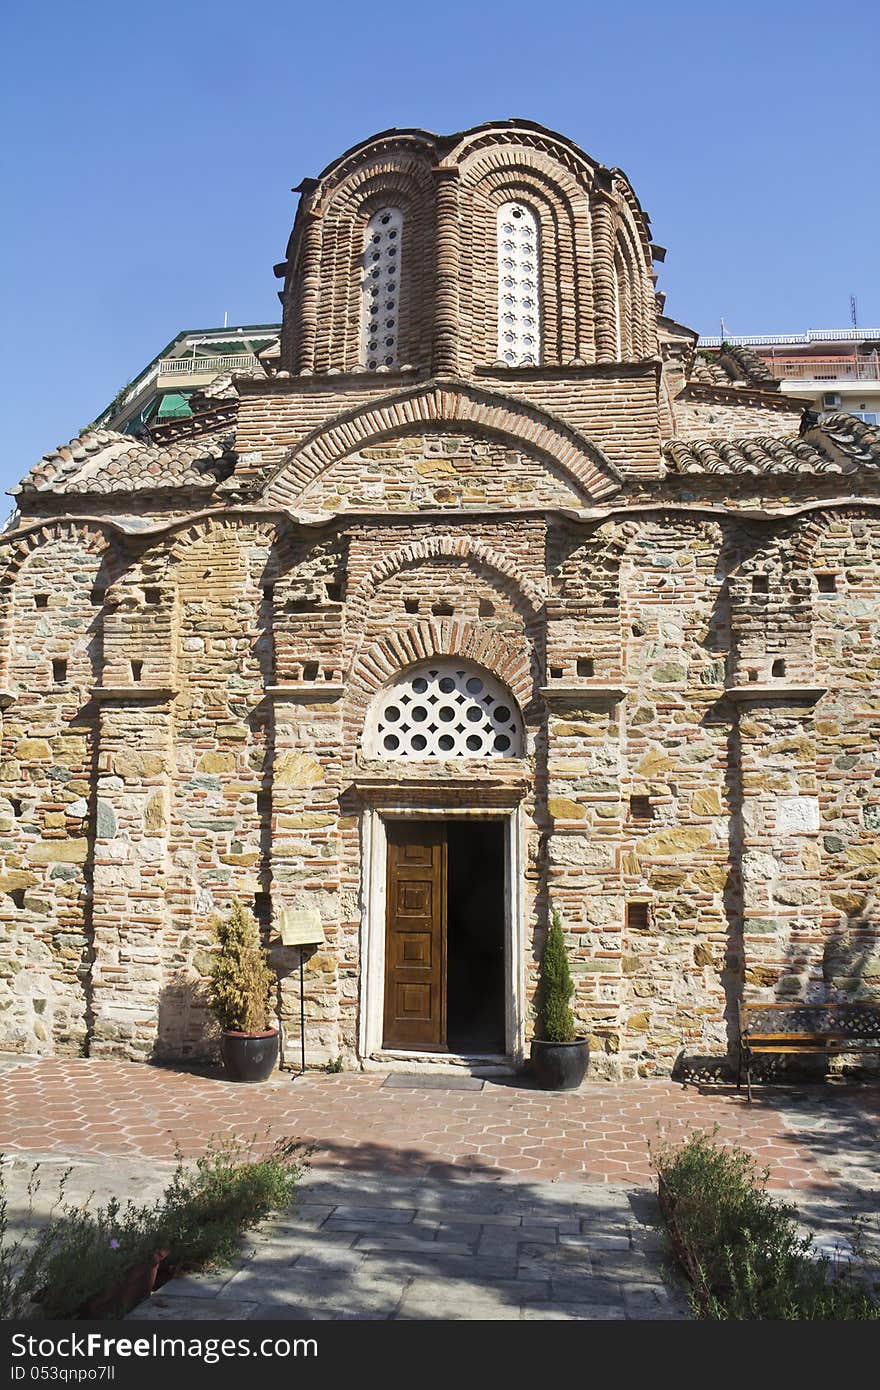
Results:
<point x="150" y="152"/>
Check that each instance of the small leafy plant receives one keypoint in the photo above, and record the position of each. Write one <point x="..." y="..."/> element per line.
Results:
<point x="555" y="988"/>
<point x="241" y="979"/>
<point x="739" y="1247"/>
<point x="83" y="1253"/>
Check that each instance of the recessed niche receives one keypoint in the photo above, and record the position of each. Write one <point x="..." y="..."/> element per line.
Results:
<point x="411" y="605"/>
<point x="760" y="584"/>
<point x="586" y="666"/>
<point x="153" y="597"/>
<point x="638" y="917"/>
<point x="640" y="808"/>
<point x="310" y="671"/>
<point x="59" y="670"/>
<point x="778" y="667"/>
<point x="443" y="609"/>
<point x="826" y="583"/>
<point x="137" y="670"/>
<point x="41" y="600"/>
<point x="556" y="673"/>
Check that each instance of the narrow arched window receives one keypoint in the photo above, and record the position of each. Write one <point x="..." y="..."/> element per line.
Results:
<point x="519" y="305"/>
<point x="380" y="289"/>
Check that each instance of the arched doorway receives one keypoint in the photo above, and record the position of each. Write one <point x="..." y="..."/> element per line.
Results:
<point x="444" y="954"/>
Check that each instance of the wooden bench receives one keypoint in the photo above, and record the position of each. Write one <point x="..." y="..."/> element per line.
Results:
<point x="828" y="1029"/>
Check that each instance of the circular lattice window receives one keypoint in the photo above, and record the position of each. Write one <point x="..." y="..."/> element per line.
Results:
<point x="445" y="710"/>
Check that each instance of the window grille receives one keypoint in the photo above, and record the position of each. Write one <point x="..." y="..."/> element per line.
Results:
<point x="445" y="710"/>
<point x="381" y="289"/>
<point x="519" y="314"/>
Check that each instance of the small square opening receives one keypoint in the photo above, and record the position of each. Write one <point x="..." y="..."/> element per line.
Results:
<point x="137" y="670"/>
<point x="778" y="667"/>
<point x="827" y="583"/>
<point x="640" y="808"/>
<point x="586" y="666"/>
<point x="59" y="670"/>
<point x="310" y="671"/>
<point x="443" y="609"/>
<point x="41" y="600"/>
<point x="638" y="916"/>
<point x="760" y="584"/>
<point x="153" y="597"/>
<point x="334" y="593"/>
<point x="411" y="605"/>
<point x="556" y="673"/>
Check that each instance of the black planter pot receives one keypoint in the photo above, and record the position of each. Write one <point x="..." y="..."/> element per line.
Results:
<point x="249" y="1056"/>
<point x="560" y="1066"/>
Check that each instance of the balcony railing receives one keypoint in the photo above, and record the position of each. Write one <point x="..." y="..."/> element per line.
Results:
<point x="207" y="366"/>
<point x="825" y="368"/>
<point x="813" y="335"/>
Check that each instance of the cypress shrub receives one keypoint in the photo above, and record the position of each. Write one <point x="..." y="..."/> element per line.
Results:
<point x="555" y="1019"/>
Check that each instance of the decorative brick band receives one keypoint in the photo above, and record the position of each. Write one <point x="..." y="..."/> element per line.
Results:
<point x="443" y="403"/>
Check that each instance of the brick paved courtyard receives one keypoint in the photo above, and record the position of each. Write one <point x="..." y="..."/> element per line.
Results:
<point x="812" y="1138"/>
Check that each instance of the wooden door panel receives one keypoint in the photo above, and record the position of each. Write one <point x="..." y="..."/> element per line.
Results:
<point x="415" y="939"/>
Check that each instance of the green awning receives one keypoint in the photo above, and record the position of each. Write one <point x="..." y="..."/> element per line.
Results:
<point x="172" y="404"/>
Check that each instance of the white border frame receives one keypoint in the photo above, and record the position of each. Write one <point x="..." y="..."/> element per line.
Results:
<point x="374" y="858"/>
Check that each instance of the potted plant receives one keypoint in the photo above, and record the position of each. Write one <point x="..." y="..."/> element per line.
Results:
<point x="241" y="997"/>
<point x="559" y="1059"/>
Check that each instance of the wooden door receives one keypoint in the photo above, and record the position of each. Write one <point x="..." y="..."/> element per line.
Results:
<point x="415" y="937"/>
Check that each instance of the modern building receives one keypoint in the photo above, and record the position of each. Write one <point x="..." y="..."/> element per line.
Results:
<point x="196" y="361"/>
<point x="487" y="595"/>
<point x="838" y="369"/>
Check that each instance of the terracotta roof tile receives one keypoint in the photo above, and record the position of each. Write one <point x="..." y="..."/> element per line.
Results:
<point x="104" y="461"/>
<point x="840" y="444"/>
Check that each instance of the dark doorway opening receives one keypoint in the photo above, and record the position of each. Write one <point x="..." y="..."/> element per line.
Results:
<point x="475" y="977"/>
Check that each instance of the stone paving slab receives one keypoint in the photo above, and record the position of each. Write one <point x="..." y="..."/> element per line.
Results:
<point x="562" y="1252"/>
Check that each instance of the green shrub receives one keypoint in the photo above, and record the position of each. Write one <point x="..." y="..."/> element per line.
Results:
<point x="241" y="979"/>
<point x="555" y="1019"/>
<point x="81" y="1253"/>
<point x="739" y="1247"/>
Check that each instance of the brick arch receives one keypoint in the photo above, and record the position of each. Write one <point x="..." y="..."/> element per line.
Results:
<point x="809" y="534"/>
<point x="95" y="537"/>
<point x="509" y="662"/>
<point x="443" y="547"/>
<point x="439" y="403"/>
<point x="323" y="281"/>
<point x="562" y="209"/>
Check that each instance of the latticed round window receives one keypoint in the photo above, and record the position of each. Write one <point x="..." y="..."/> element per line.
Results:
<point x="380" y="289"/>
<point x="445" y="710"/>
<point x="519" y="317"/>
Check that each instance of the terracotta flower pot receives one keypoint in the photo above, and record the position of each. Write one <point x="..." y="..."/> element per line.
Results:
<point x="249" y="1056"/>
<point x="130" y="1289"/>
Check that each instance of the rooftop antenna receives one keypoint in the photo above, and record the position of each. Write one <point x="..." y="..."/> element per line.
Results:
<point x="853" y="315"/>
<point x="723" y="331"/>
<point x="225" y="317"/>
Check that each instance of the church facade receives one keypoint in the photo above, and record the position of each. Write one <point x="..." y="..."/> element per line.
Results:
<point x="492" y="596"/>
